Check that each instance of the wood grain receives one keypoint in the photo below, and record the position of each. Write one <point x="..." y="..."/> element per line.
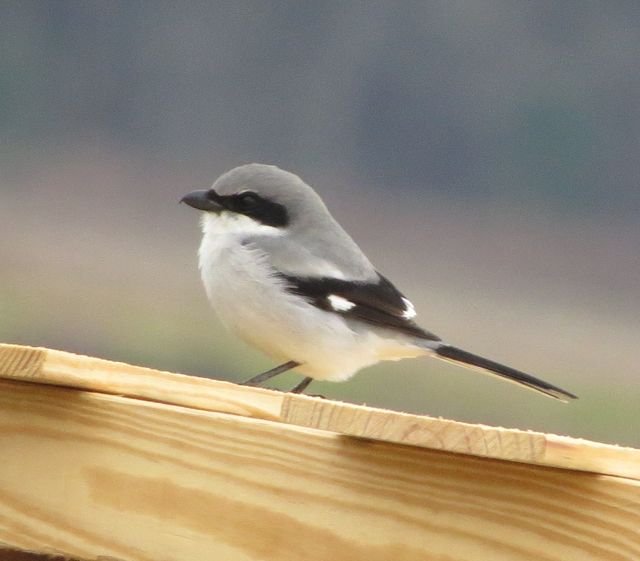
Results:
<point x="463" y="438"/>
<point x="48" y="366"/>
<point x="90" y="475"/>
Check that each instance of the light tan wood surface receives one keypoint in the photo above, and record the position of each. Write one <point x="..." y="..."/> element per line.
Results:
<point x="93" y="475"/>
<point x="48" y="366"/>
<point x="463" y="438"/>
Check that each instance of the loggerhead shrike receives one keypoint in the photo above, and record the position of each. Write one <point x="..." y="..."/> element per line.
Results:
<point x="284" y="276"/>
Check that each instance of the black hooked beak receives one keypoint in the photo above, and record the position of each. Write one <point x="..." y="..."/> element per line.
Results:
<point x="203" y="200"/>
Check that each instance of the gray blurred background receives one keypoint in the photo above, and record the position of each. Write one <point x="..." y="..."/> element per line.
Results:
<point x="485" y="154"/>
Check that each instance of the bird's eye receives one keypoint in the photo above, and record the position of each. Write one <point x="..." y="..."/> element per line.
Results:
<point x="247" y="201"/>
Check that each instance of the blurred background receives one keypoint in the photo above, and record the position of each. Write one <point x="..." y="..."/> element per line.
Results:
<point x="484" y="154"/>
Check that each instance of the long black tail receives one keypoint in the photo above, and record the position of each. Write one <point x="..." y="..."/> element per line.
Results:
<point x="458" y="356"/>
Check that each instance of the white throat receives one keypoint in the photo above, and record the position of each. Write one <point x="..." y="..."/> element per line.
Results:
<point x="226" y="222"/>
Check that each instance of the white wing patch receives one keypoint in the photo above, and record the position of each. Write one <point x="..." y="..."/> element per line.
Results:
<point x="409" y="310"/>
<point x="339" y="304"/>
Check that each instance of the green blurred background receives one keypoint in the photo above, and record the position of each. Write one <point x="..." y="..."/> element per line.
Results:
<point x="484" y="154"/>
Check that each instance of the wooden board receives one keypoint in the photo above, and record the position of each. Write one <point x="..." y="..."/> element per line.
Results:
<point x="66" y="369"/>
<point x="47" y="366"/>
<point x="91" y="476"/>
<point x="463" y="438"/>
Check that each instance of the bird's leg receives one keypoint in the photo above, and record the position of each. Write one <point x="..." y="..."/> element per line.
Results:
<point x="301" y="386"/>
<point x="264" y="376"/>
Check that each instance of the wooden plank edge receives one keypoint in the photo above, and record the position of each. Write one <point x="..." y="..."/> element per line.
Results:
<point x="47" y="366"/>
<point x="60" y="368"/>
<point x="463" y="438"/>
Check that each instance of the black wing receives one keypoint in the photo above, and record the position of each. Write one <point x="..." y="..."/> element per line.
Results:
<point x="379" y="303"/>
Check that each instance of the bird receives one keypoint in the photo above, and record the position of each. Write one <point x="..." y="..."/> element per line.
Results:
<point x="286" y="278"/>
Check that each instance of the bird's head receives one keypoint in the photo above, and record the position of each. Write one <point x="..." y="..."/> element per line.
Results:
<point x="256" y="197"/>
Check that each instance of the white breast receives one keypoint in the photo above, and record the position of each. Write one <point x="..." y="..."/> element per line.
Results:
<point x="252" y="302"/>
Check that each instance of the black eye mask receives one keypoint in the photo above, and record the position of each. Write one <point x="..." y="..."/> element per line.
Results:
<point x="254" y="206"/>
